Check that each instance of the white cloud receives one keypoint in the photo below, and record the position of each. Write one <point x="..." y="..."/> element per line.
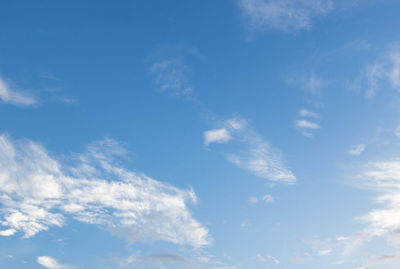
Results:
<point x="268" y="198"/>
<point x="308" y="113"/>
<point x="38" y="192"/>
<point x="14" y="97"/>
<point x="383" y="177"/>
<point x="384" y="72"/>
<point x="217" y="136"/>
<point x="356" y="150"/>
<point x="257" y="156"/>
<point x="285" y="15"/>
<point x="50" y="263"/>
<point x="305" y="124"/>
<point x="8" y="232"/>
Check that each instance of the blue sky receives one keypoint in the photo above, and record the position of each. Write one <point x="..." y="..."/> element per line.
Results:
<point x="233" y="134"/>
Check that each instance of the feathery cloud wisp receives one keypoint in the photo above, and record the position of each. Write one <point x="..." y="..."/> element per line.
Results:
<point x="217" y="136"/>
<point x="356" y="150"/>
<point x="285" y="15"/>
<point x="38" y="192"/>
<point x="384" y="72"/>
<point x="257" y="156"/>
<point x="305" y="124"/>
<point x="50" y="263"/>
<point x="14" y="97"/>
<point x="307" y="113"/>
<point x="172" y="77"/>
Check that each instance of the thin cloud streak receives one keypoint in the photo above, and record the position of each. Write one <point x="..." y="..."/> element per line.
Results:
<point x="257" y="156"/>
<point x="14" y="97"/>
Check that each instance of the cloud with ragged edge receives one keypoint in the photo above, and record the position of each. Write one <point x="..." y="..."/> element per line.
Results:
<point x="356" y="150"/>
<point x="51" y="263"/>
<point x="383" y="72"/>
<point x="283" y="15"/>
<point x="257" y="156"/>
<point x="38" y="192"/>
<point x="9" y="95"/>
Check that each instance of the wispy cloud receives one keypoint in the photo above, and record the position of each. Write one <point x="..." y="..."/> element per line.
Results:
<point x="269" y="258"/>
<point x="383" y="177"/>
<point x="306" y="124"/>
<point x="257" y="156"/>
<point x="307" y="113"/>
<point x="253" y="200"/>
<point x="382" y="73"/>
<point x="14" y="97"/>
<point x="284" y="15"/>
<point x="356" y="150"/>
<point x="310" y="83"/>
<point x="38" y="192"/>
<point x="171" y="67"/>
<point x="268" y="198"/>
<point x="384" y="259"/>
<point x="50" y="263"/>
<point x="217" y="136"/>
<point x="172" y="76"/>
<point x="160" y="259"/>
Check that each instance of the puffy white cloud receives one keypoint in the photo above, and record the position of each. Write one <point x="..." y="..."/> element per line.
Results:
<point x="8" y="232"/>
<point x="14" y="97"/>
<point x="38" y="192"/>
<point x="217" y="136"/>
<point x="285" y="15"/>
<point x="257" y="156"/>
<point x="356" y="150"/>
<point x="50" y="263"/>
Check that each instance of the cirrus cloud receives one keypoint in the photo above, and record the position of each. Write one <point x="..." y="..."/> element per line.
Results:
<point x="38" y="192"/>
